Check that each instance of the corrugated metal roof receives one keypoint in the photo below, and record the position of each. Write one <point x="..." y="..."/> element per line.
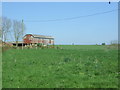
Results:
<point x="40" y="36"/>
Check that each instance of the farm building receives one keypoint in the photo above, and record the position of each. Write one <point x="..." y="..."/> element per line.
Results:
<point x="34" y="39"/>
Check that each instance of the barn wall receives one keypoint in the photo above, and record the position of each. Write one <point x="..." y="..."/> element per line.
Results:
<point x="27" y="39"/>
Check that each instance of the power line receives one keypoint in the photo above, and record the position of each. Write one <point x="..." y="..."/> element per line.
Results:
<point x="71" y="18"/>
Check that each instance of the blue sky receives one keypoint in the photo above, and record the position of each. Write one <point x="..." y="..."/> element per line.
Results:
<point x="87" y="30"/>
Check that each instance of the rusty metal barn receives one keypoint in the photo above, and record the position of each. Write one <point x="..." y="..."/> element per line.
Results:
<point x="34" y="39"/>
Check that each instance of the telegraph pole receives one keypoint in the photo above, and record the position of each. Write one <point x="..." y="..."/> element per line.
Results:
<point x="22" y="33"/>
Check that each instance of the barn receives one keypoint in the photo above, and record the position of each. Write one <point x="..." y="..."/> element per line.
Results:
<point x="35" y="39"/>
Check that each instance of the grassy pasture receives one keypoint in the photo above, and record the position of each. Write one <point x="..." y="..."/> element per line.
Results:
<point x="77" y="66"/>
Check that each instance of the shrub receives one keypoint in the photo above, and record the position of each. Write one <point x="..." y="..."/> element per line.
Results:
<point x="103" y="43"/>
<point x="39" y="44"/>
<point x="14" y="47"/>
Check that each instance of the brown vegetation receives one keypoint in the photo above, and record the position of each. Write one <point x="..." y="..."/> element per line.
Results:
<point x="113" y="46"/>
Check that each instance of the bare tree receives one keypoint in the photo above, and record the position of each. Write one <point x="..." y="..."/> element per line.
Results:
<point x="18" y="30"/>
<point x="0" y="33"/>
<point x="0" y="28"/>
<point x="6" y="25"/>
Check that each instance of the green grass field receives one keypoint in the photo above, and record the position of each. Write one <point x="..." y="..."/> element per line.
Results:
<point x="77" y="66"/>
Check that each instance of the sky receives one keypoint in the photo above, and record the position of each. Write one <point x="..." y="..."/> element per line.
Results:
<point x="94" y="29"/>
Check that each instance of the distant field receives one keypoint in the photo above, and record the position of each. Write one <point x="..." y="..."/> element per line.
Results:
<point x="77" y="66"/>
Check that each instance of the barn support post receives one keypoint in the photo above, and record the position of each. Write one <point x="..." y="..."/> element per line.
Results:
<point x="36" y="46"/>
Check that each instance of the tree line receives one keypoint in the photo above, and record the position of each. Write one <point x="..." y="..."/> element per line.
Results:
<point x="11" y="28"/>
